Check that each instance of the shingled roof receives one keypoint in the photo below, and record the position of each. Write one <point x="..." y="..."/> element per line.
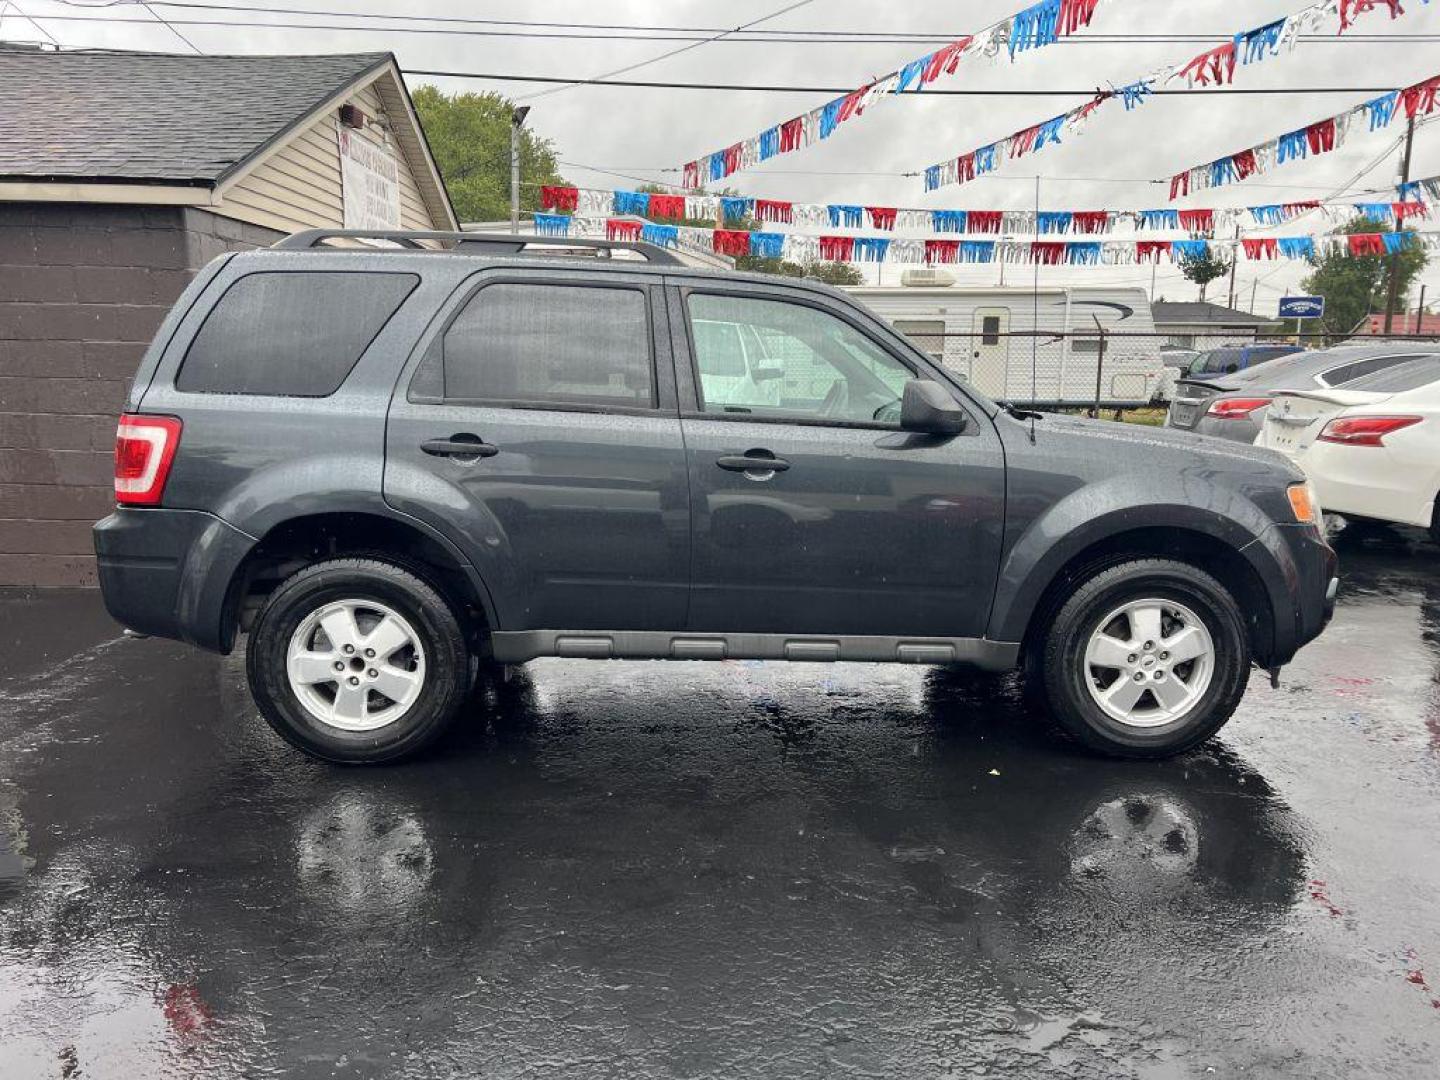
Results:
<point x="156" y="117"/>
<point x="1191" y="313"/>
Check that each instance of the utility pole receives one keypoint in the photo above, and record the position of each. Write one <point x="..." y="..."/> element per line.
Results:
<point x="1420" y="311"/>
<point x="1234" y="261"/>
<point x="1154" y="269"/>
<point x="1393" y="293"/>
<point x="1254" y="287"/>
<point x="517" y="121"/>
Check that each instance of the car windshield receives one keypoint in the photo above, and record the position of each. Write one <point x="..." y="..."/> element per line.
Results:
<point x="1396" y="380"/>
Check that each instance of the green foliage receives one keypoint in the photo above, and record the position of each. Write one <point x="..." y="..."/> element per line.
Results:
<point x="831" y="273"/>
<point x="1354" y="287"/>
<point x="469" y="134"/>
<point x="1202" y="271"/>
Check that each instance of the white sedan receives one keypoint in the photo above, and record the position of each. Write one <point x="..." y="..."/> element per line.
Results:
<point x="1372" y="449"/>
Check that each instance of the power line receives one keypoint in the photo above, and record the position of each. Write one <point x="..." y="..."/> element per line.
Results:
<point x="155" y="14"/>
<point x="754" y="36"/>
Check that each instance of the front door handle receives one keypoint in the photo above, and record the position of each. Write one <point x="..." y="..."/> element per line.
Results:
<point x="463" y="445"/>
<point x="753" y="462"/>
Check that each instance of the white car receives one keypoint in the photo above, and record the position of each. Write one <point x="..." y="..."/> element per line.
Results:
<point x="1372" y="449"/>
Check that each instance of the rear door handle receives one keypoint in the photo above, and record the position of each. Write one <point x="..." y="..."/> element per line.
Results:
<point x="752" y="463"/>
<point x="463" y="445"/>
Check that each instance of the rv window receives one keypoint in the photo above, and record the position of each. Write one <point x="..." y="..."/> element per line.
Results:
<point x="1081" y="344"/>
<point x="990" y="330"/>
<point x="927" y="336"/>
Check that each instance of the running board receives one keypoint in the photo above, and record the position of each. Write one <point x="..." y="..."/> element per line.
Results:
<point x="518" y="646"/>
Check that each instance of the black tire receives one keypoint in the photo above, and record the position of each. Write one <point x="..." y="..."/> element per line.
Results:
<point x="446" y="660"/>
<point x="1064" y="673"/>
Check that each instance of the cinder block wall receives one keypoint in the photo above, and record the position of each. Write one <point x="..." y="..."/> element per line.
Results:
<point x="82" y="290"/>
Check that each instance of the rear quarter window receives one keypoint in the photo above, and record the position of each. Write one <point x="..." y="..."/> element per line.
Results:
<point x="1397" y="380"/>
<point x="290" y="333"/>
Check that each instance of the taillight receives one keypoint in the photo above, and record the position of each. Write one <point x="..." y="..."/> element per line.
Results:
<point x="144" y="450"/>
<point x="1364" y="430"/>
<point x="1237" y="408"/>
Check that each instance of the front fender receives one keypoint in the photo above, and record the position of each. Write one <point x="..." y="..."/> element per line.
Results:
<point x="1095" y="513"/>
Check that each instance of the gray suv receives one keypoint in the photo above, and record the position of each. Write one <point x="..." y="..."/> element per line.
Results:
<point x="392" y="466"/>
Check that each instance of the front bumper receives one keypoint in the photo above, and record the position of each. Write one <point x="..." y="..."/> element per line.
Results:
<point x="1310" y="570"/>
<point x="168" y="573"/>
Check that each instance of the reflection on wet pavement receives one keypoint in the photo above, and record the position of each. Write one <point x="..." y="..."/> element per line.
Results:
<point x="740" y="869"/>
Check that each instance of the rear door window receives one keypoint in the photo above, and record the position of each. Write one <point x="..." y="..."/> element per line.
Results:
<point x="552" y="344"/>
<point x="290" y="333"/>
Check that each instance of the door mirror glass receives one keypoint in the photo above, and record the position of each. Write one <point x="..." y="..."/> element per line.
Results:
<point x="927" y="406"/>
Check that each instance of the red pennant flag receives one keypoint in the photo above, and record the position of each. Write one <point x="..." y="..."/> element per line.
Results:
<point x="730" y="242"/>
<point x="1197" y="221"/>
<point x="1151" y="250"/>
<point x="944" y="61"/>
<point x="941" y="251"/>
<point x="1217" y="66"/>
<point x="1179" y="185"/>
<point x="837" y="248"/>
<point x="1295" y="209"/>
<point x="558" y="197"/>
<point x="1075" y="15"/>
<point x="1321" y="136"/>
<point x="984" y="221"/>
<point x="881" y="217"/>
<point x="1090" y="221"/>
<point x="1420" y="98"/>
<point x="619" y="229"/>
<point x="1403" y="210"/>
<point x="1245" y="164"/>
<point x="965" y="167"/>
<point x="1367" y="244"/>
<point x="792" y="134"/>
<point x="1022" y="142"/>
<point x="1259" y="247"/>
<point x="774" y="210"/>
<point x="671" y="207"/>
<point x="692" y="174"/>
<point x="732" y="159"/>
<point x="1047" y="253"/>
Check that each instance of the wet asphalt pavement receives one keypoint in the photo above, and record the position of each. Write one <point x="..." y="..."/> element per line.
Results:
<point x="729" y="870"/>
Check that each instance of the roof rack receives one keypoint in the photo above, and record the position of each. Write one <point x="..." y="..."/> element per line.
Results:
<point x="472" y="243"/>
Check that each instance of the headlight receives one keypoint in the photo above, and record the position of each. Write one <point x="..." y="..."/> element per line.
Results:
<point x="1303" y="503"/>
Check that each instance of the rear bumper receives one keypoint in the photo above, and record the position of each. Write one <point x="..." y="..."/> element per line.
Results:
<point x="168" y="573"/>
<point x="1243" y="429"/>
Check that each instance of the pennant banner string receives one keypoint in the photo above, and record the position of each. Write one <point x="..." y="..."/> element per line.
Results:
<point x="1321" y="137"/>
<point x="740" y="210"/>
<point x="1041" y="24"/>
<point x="887" y="249"/>
<point x="1213" y="67"/>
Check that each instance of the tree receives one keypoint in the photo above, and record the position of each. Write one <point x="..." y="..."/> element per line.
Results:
<point x="1354" y="286"/>
<point x="1204" y="269"/>
<point x="469" y="134"/>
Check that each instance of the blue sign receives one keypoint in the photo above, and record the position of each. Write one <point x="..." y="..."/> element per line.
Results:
<point x="1302" y="307"/>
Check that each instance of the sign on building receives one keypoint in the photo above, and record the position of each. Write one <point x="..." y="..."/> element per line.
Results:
<point x="1302" y="307"/>
<point x="369" y="183"/>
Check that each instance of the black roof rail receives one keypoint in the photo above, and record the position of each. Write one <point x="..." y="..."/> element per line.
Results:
<point x="471" y="243"/>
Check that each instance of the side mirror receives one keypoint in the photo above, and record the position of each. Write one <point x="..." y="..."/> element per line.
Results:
<point x="927" y="406"/>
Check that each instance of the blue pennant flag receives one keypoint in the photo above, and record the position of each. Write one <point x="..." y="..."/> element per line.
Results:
<point x="932" y="178"/>
<point x="1396" y="242"/>
<point x="985" y="160"/>
<point x="1222" y="172"/>
<point x="1270" y="214"/>
<point x="1135" y="94"/>
<point x="1293" y="146"/>
<point x="1050" y="131"/>
<point x="1263" y="41"/>
<point x="977" y="251"/>
<point x="948" y="220"/>
<point x="1185" y="250"/>
<point x="717" y="166"/>
<point x="1160" y="219"/>
<point x="1378" y="212"/>
<point x="1034" y="27"/>
<point x="552" y="224"/>
<point x="830" y="117"/>
<point x="660" y="235"/>
<point x="870" y="248"/>
<point x="1381" y="110"/>
<point x="911" y="73"/>
<point x="734" y="207"/>
<point x="1053" y="221"/>
<point x="1296" y="247"/>
<point x="852" y="217"/>
<point x="767" y="245"/>
<point x="769" y="143"/>
<point x="1085" y="253"/>
<point x="632" y="202"/>
<point x="1409" y="190"/>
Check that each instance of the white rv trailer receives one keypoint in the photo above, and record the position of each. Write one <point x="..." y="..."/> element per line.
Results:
<point x="984" y="335"/>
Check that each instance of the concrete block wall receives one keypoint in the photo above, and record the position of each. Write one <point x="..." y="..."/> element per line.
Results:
<point x="82" y="290"/>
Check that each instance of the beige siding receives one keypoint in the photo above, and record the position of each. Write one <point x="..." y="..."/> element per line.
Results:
<point x="298" y="186"/>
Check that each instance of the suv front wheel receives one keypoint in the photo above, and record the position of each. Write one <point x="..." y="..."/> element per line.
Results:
<point x="357" y="661"/>
<point x="1146" y="659"/>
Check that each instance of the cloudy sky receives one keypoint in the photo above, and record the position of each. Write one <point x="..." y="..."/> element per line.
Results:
<point x="1113" y="164"/>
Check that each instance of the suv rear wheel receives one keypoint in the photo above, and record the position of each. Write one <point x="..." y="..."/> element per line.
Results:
<point x="1146" y="659"/>
<point x="357" y="661"/>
